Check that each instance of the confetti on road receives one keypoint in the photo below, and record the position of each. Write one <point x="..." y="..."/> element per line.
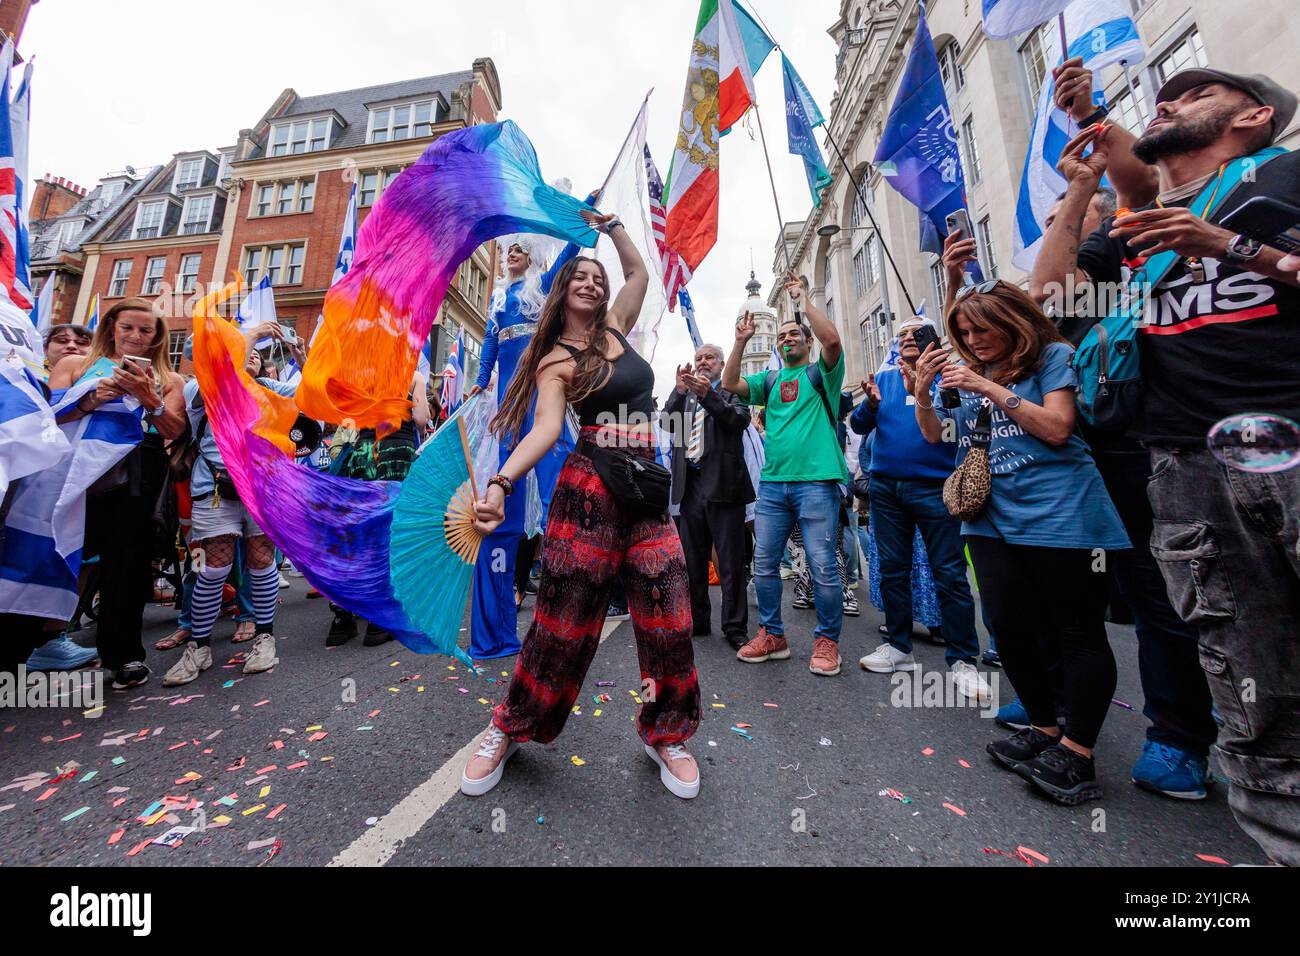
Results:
<point x="1212" y="859"/>
<point x="277" y="811"/>
<point x="740" y="733"/>
<point x="577" y="761"/>
<point x="826" y="742"/>
<point x="957" y="810"/>
<point x="927" y="752"/>
<point x="1024" y="851"/>
<point x="964" y="764"/>
<point x="893" y="794"/>
<point x="74" y="814"/>
<point x="1119" y="703"/>
<point x="773" y="706"/>
<point x="117" y="835"/>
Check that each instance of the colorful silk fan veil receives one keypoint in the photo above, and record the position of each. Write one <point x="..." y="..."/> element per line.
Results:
<point x="468" y="187"/>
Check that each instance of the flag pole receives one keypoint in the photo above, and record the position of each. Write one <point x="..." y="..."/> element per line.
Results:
<point x="626" y="139"/>
<point x="870" y="215"/>
<point x="789" y="266"/>
<point x="1133" y="95"/>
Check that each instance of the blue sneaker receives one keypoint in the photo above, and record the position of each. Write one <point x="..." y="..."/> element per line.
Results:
<point x="1012" y="716"/>
<point x="1170" y="771"/>
<point x="60" y="654"/>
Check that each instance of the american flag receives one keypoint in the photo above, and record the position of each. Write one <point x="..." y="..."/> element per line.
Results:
<point x="676" y="272"/>
<point x="13" y="229"/>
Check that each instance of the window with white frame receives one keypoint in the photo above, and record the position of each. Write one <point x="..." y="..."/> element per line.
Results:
<point x="153" y="273"/>
<point x="861" y="278"/>
<point x="301" y="136"/>
<point x="188" y="277"/>
<point x="938" y="286"/>
<point x="988" y="260"/>
<point x="970" y="151"/>
<point x="111" y="191"/>
<point x="281" y="263"/>
<point x="954" y="77"/>
<point x="867" y="335"/>
<point x="121" y="275"/>
<point x="406" y="121"/>
<point x="1188" y="52"/>
<point x="69" y="231"/>
<point x="859" y="214"/>
<point x="198" y="215"/>
<point x="149" y="220"/>
<point x="371" y="184"/>
<point x="1038" y="52"/>
<point x="189" y="173"/>
<point x="176" y="348"/>
<point x="1127" y="108"/>
<point x="284" y="198"/>
<point x="873" y="258"/>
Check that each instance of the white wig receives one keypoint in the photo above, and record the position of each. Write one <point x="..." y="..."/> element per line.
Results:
<point x="541" y="250"/>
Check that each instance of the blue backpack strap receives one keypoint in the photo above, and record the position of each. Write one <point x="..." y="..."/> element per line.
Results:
<point x="814" y="378"/>
<point x="1158" y="266"/>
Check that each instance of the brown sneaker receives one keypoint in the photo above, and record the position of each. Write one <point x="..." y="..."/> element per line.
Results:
<point x="825" y="657"/>
<point x="764" y="647"/>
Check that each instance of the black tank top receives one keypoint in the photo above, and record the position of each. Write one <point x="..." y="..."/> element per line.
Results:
<point x="628" y="389"/>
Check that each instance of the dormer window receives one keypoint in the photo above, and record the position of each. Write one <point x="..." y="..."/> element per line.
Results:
<point x="149" y="220"/>
<point x="197" y="216"/>
<point x="301" y="136"/>
<point x="111" y="191"/>
<point x="189" y="173"/>
<point x="404" y="121"/>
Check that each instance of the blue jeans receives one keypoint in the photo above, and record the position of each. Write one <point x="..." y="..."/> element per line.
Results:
<point x="816" y="506"/>
<point x="899" y="506"/>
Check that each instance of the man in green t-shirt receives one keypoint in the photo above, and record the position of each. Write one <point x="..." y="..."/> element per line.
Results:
<point x="802" y="472"/>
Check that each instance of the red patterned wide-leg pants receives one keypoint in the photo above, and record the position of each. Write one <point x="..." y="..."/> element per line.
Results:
<point x="588" y="541"/>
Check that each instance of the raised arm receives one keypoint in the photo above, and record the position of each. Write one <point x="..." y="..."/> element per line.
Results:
<point x="626" y="308"/>
<point x="1135" y="182"/>
<point x="548" y="277"/>
<point x="823" y="329"/>
<point x="1058" y="260"/>
<point x="731" y="379"/>
<point x="487" y="362"/>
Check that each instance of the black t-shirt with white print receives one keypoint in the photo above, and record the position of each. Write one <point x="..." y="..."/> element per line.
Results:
<point x="1221" y="347"/>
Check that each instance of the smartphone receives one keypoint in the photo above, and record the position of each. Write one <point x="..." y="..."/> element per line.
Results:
<point x="924" y="337"/>
<point x="959" y="221"/>
<point x="139" y="360"/>
<point x="1268" y="220"/>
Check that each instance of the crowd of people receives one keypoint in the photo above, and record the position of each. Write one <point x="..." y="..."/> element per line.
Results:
<point x="968" y="466"/>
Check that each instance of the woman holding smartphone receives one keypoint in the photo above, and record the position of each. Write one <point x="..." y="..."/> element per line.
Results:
<point x="1045" y="527"/>
<point x="128" y="355"/>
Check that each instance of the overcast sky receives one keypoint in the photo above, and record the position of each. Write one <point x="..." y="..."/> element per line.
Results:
<point x="134" y="81"/>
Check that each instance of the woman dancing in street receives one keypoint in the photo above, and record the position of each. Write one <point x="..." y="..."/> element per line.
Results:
<point x="580" y="354"/>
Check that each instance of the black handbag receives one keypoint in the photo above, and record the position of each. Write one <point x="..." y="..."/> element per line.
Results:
<point x="640" y="485"/>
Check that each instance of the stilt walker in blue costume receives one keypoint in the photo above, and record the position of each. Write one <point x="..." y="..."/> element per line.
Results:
<point x="495" y="614"/>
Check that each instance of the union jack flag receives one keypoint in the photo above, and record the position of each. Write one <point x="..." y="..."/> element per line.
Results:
<point x="13" y="230"/>
<point x="676" y="272"/>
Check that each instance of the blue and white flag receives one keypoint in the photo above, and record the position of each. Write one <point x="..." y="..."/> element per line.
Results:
<point x="918" y="149"/>
<point x="688" y="312"/>
<point x="43" y="312"/>
<point x="30" y="441"/>
<point x="45" y="527"/>
<point x="424" y="363"/>
<point x="801" y="117"/>
<point x="1007" y="18"/>
<point x="774" y="363"/>
<point x="258" y="307"/>
<point x="347" y="249"/>
<point x="1103" y="33"/>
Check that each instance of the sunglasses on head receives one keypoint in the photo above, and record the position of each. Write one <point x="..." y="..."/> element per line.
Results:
<point x="981" y="289"/>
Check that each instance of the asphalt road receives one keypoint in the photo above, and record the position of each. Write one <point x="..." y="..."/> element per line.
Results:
<point x="381" y="785"/>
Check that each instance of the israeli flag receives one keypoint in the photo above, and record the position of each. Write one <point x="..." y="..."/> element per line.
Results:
<point x="1103" y="33"/>
<point x="45" y="528"/>
<point x="1006" y="18"/>
<point x="688" y="312"/>
<point x="258" y="307"/>
<point x="43" y="312"/>
<point x="30" y="441"/>
<point x="347" y="249"/>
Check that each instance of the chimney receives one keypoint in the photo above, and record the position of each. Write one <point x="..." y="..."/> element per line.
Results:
<point x="53" y="197"/>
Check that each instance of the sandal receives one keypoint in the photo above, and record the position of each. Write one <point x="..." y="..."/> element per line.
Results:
<point x="173" y="640"/>
<point x="244" y="631"/>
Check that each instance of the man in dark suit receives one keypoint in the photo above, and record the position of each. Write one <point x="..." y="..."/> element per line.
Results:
<point x="711" y="485"/>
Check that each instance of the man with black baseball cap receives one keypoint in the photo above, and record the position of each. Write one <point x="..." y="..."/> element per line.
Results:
<point x="1219" y="339"/>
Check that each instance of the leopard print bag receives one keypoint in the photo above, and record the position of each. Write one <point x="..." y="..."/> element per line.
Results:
<point x="966" y="491"/>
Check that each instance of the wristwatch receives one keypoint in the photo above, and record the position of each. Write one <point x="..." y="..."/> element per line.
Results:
<point x="1099" y="114"/>
<point x="1243" y="248"/>
<point x="1012" y="401"/>
<point x="156" y="412"/>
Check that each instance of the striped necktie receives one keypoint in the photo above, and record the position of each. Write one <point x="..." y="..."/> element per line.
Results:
<point x="697" y="434"/>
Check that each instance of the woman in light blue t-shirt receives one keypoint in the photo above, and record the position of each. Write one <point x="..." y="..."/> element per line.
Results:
<point x="1039" y="545"/>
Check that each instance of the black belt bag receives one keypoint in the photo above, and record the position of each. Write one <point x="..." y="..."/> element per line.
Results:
<point x="223" y="486"/>
<point x="639" y="484"/>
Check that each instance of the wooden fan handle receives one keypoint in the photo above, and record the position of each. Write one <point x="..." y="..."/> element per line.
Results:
<point x="469" y="460"/>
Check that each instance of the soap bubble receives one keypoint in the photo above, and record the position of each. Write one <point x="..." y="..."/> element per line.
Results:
<point x="1256" y="442"/>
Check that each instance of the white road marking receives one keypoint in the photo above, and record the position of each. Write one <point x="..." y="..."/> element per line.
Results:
<point x="377" y="845"/>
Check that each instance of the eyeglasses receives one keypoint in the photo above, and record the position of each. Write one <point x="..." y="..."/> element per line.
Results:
<point x="981" y="289"/>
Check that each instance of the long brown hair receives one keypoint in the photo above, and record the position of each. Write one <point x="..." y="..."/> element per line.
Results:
<point x="591" y="365"/>
<point x="1013" y="313"/>
<point x="104" y="343"/>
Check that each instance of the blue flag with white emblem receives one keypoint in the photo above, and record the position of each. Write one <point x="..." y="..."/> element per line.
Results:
<point x="918" y="149"/>
<point x="801" y="117"/>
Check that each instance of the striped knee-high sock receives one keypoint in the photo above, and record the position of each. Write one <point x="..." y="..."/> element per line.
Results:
<point x="205" y="602"/>
<point x="266" y="594"/>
